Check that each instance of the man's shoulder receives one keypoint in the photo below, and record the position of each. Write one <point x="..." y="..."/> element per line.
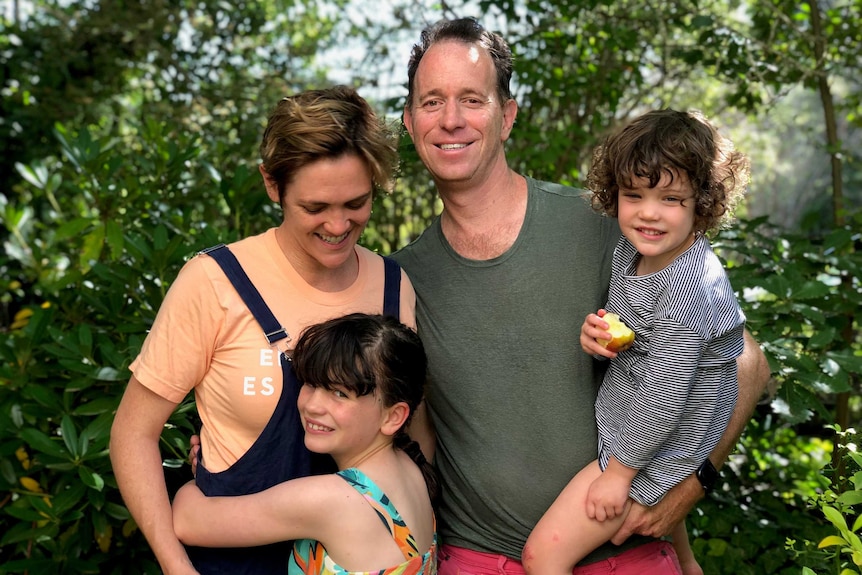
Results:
<point x="557" y="190"/>
<point x="567" y="205"/>
<point x="409" y="254"/>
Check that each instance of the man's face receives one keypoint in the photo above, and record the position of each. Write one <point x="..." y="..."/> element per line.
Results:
<point x="457" y="122"/>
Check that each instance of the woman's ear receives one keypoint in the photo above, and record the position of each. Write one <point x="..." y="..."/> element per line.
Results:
<point x="394" y="418"/>
<point x="270" y="184"/>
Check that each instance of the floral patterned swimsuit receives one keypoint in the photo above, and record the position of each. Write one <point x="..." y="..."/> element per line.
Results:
<point x="309" y="557"/>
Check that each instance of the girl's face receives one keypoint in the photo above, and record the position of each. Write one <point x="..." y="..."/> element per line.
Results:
<point x="326" y="207"/>
<point x="658" y="221"/>
<point x="341" y="424"/>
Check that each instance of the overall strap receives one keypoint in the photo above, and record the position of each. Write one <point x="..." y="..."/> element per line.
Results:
<point x="249" y="294"/>
<point x="391" y="288"/>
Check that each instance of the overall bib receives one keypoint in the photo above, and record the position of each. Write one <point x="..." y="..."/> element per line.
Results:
<point x="279" y="453"/>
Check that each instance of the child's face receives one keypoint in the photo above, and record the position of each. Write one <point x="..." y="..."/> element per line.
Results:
<point x="659" y="221"/>
<point x="339" y="423"/>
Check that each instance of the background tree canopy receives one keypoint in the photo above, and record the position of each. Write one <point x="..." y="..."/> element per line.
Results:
<point x="128" y="140"/>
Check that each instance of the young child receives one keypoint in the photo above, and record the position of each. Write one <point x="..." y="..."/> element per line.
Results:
<point x="363" y="377"/>
<point x="669" y="178"/>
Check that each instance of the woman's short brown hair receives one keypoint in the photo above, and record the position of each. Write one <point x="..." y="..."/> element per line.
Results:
<point x="326" y="124"/>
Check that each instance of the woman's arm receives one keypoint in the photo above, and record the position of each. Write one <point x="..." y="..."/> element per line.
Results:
<point x="137" y="463"/>
<point x="752" y="376"/>
<point x="297" y="509"/>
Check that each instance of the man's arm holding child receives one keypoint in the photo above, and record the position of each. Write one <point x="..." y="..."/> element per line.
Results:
<point x="659" y="520"/>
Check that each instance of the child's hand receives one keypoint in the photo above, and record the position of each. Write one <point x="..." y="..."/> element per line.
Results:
<point x="596" y="328"/>
<point x="607" y="497"/>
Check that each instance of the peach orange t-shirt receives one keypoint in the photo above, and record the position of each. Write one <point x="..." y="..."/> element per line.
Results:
<point x="205" y="339"/>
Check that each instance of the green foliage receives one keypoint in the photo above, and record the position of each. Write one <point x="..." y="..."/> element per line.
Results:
<point x="841" y="550"/>
<point x="95" y="239"/>
<point x="801" y="296"/>
<point x="741" y="528"/>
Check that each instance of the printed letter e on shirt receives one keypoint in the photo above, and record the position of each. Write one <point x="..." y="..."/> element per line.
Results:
<point x="250" y="386"/>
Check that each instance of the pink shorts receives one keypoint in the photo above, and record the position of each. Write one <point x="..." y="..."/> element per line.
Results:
<point x="654" y="558"/>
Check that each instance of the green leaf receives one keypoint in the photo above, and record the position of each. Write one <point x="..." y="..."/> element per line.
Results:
<point x="822" y="338"/>
<point x="70" y="435"/>
<point x="72" y="229"/>
<point x="114" y="235"/>
<point x="849" y="361"/>
<point x="835" y="517"/>
<point x="96" y="406"/>
<point x="68" y="498"/>
<point x="91" y="478"/>
<point x="702" y="21"/>
<point x="117" y="511"/>
<point x="37" y="174"/>
<point x="830" y="541"/>
<point x="838" y="239"/>
<point x="92" y="247"/>
<point x="107" y="373"/>
<point x="810" y="290"/>
<point x="7" y="472"/>
<point x="851" y="498"/>
<point x="85" y="340"/>
<point x="42" y="443"/>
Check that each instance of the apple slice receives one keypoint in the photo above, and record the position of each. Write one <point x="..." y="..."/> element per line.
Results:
<point x="622" y="336"/>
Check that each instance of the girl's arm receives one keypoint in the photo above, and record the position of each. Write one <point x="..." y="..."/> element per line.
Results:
<point x="297" y="509"/>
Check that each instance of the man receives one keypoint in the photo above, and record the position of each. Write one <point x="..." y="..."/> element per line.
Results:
<point x="504" y="278"/>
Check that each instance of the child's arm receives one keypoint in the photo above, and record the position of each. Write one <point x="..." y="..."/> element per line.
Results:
<point x="296" y="509"/>
<point x="609" y="492"/>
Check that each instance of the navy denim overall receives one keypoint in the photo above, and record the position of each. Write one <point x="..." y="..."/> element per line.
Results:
<point x="279" y="453"/>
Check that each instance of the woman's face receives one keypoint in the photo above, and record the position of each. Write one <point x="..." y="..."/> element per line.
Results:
<point x="326" y="207"/>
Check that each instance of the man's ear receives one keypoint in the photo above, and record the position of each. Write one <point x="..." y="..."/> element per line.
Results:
<point x="407" y="118"/>
<point x="510" y="112"/>
<point x="394" y="418"/>
<point x="270" y="184"/>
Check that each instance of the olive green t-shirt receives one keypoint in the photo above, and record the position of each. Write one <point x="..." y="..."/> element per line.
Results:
<point x="511" y="391"/>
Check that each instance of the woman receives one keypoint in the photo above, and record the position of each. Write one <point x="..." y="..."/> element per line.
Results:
<point x="323" y="154"/>
<point x="363" y="378"/>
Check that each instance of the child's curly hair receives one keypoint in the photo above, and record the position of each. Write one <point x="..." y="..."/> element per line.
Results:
<point x="662" y="141"/>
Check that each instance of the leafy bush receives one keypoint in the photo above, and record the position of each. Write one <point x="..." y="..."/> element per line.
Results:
<point x="842" y="550"/>
<point x="94" y="239"/>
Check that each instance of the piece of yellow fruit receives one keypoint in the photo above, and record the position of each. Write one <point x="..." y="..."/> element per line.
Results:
<point x="622" y="336"/>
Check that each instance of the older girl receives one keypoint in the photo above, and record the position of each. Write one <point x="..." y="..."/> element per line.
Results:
<point x="363" y="378"/>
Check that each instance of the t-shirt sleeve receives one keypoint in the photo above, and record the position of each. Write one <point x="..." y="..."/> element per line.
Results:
<point x="178" y="349"/>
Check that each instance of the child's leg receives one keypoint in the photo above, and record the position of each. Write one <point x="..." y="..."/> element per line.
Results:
<point x="689" y="564"/>
<point x="565" y="534"/>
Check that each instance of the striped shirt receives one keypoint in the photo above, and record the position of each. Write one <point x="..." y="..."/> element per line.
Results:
<point x="666" y="401"/>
